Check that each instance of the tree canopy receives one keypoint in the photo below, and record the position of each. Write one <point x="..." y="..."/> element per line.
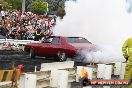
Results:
<point x="39" y="7"/>
<point x="60" y="12"/>
<point x="5" y="6"/>
<point x="16" y="4"/>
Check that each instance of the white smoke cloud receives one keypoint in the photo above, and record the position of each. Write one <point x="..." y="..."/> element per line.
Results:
<point x="104" y="55"/>
<point x="103" y="22"/>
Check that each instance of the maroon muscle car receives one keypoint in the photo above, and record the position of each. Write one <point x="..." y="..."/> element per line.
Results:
<point x="59" y="47"/>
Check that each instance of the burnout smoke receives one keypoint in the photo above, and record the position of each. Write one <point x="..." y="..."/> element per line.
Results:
<point x="105" y="54"/>
<point x="105" y="23"/>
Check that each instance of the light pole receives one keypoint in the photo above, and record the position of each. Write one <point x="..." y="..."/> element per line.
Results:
<point x="23" y="6"/>
<point x="47" y="8"/>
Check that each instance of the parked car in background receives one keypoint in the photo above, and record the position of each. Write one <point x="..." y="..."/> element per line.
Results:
<point x="59" y="47"/>
<point x="6" y="46"/>
<point x="2" y="37"/>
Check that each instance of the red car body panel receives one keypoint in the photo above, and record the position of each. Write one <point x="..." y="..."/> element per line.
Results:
<point x="51" y="49"/>
<point x="84" y="46"/>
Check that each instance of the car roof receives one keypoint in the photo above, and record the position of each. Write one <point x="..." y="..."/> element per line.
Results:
<point x="67" y="37"/>
<point x="75" y="37"/>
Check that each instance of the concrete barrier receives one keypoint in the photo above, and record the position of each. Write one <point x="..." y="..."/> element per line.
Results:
<point x="18" y="41"/>
<point x="56" y="65"/>
<point x="62" y="74"/>
<point x="27" y="81"/>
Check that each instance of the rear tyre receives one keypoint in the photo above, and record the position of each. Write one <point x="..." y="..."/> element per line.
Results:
<point x="61" y="56"/>
<point x="32" y="54"/>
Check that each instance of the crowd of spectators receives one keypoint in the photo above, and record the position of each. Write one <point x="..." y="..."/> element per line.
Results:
<point x="27" y="26"/>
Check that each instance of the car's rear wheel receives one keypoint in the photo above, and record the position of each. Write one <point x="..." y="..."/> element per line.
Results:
<point x="61" y="56"/>
<point x="32" y="53"/>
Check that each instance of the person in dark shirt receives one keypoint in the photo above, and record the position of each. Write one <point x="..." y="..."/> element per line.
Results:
<point x="38" y="35"/>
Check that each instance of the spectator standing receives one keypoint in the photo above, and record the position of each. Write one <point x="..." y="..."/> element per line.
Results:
<point x="38" y="35"/>
<point x="3" y="14"/>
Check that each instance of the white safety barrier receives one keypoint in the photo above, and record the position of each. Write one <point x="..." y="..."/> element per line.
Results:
<point x="107" y="72"/>
<point x="61" y="74"/>
<point x="123" y="65"/>
<point x="104" y="72"/>
<point x="25" y="41"/>
<point x="117" y="68"/>
<point x="27" y="81"/>
<point x="50" y="72"/>
<point x="1" y="40"/>
<point x="43" y="78"/>
<point x="56" y="65"/>
<point x="100" y="71"/>
<point x="59" y="79"/>
<point x="18" y="41"/>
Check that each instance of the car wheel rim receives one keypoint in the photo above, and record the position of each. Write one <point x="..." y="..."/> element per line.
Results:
<point x="62" y="56"/>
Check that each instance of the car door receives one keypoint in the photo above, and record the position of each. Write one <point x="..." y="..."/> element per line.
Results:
<point x="41" y="49"/>
<point x="51" y="49"/>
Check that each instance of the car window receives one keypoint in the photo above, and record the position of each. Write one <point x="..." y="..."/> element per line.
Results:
<point x="77" y="40"/>
<point x="56" y="40"/>
<point x="46" y="40"/>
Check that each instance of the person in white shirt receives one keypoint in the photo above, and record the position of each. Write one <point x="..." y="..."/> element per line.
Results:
<point x="3" y="14"/>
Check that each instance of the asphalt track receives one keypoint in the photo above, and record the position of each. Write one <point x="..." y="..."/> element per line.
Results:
<point x="9" y="59"/>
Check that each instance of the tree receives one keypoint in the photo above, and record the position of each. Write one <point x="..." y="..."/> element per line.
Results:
<point x="39" y="7"/>
<point x="1" y="1"/>
<point x="28" y="5"/>
<point x="6" y="6"/>
<point x="16" y="4"/>
<point x="53" y="5"/>
<point x="60" y="12"/>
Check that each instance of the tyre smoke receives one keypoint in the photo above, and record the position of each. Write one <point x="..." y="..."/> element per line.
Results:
<point x="105" y="23"/>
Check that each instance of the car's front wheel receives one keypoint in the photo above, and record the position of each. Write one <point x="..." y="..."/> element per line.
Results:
<point x="61" y="56"/>
<point x="32" y="53"/>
